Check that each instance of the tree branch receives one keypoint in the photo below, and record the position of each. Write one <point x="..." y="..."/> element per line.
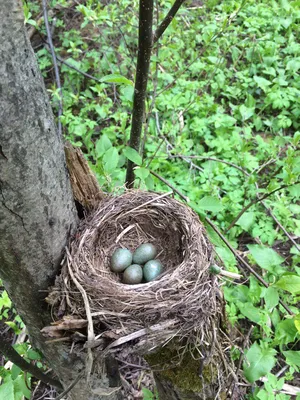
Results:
<point x="257" y="200"/>
<point x="9" y="352"/>
<point x="141" y="79"/>
<point x="57" y="78"/>
<point x="167" y="20"/>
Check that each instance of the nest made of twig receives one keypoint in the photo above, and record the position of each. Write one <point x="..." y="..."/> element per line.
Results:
<point x="182" y="301"/>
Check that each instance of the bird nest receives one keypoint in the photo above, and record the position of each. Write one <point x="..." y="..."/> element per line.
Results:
<point x="181" y="303"/>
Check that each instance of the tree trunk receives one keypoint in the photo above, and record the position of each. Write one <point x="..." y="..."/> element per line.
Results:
<point x="37" y="211"/>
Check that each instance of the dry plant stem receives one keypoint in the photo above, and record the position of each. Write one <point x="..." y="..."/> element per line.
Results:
<point x="245" y="342"/>
<point x="253" y="272"/>
<point x="186" y="199"/>
<point x="259" y="199"/>
<point x="57" y="77"/>
<point x="167" y="20"/>
<point x="281" y="226"/>
<point x="9" y="352"/>
<point x="142" y="71"/>
<point x="70" y="387"/>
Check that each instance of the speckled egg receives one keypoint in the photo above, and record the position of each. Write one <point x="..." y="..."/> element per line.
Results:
<point x="152" y="269"/>
<point x="144" y="253"/>
<point x="120" y="260"/>
<point x="133" y="274"/>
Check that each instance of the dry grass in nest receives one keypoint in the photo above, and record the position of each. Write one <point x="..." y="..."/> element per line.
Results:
<point x="181" y="303"/>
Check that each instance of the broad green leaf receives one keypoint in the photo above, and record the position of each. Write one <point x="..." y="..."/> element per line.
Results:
<point x="141" y="173"/>
<point x="265" y="257"/>
<point x="149" y="183"/>
<point x="246" y="220"/>
<point x="249" y="311"/>
<point x="102" y="145"/>
<point x="118" y="79"/>
<point x="147" y="394"/>
<point x="226" y="256"/>
<point x="20" y="388"/>
<point x="133" y="155"/>
<point x="271" y="297"/>
<point x="259" y="361"/>
<point x="245" y="112"/>
<point x="128" y="92"/>
<point x="110" y="159"/>
<point x="297" y="322"/>
<point x="285" y="331"/>
<point x="292" y="357"/>
<point x="7" y="391"/>
<point x="289" y="282"/>
<point x="262" y="82"/>
<point x="209" y="203"/>
<point x="15" y="371"/>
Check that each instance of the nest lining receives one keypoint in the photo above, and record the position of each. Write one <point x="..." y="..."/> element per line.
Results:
<point x="183" y="299"/>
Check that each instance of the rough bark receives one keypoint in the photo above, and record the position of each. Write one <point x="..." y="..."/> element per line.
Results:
<point x="37" y="211"/>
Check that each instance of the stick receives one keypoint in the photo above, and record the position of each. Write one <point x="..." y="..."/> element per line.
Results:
<point x="167" y="20"/>
<point x="57" y="78"/>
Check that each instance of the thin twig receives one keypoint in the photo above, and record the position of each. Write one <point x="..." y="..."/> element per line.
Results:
<point x="56" y="71"/>
<point x="170" y="186"/>
<point x="213" y="159"/>
<point x="9" y="352"/>
<point x="192" y="165"/>
<point x="257" y="200"/>
<point x="70" y="387"/>
<point x="253" y="272"/>
<point x="167" y="20"/>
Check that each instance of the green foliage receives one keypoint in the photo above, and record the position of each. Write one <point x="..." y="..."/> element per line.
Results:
<point x="259" y="361"/>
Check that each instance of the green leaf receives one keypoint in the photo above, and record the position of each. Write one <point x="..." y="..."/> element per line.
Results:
<point x="15" y="371"/>
<point x="289" y="282"/>
<point x="262" y="82"/>
<point x="133" y="155"/>
<point x="209" y="203"/>
<point x="102" y="145"/>
<point x="7" y="391"/>
<point x="246" y="220"/>
<point x="141" y="173"/>
<point x="110" y="159"/>
<point x="21" y="389"/>
<point x="128" y="92"/>
<point x="271" y="297"/>
<point x="265" y="257"/>
<point x="147" y="394"/>
<point x="292" y="357"/>
<point x="259" y="361"/>
<point x="249" y="311"/>
<point x="297" y="322"/>
<point x="118" y="79"/>
<point x="245" y="112"/>
<point x="285" y="331"/>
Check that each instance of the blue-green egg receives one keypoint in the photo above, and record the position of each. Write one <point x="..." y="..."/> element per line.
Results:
<point x="133" y="274"/>
<point x="152" y="269"/>
<point x="120" y="260"/>
<point x="144" y="253"/>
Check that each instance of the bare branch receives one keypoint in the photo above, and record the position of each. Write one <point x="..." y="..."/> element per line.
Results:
<point x="167" y="20"/>
<point x="57" y="78"/>
<point x="9" y="352"/>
